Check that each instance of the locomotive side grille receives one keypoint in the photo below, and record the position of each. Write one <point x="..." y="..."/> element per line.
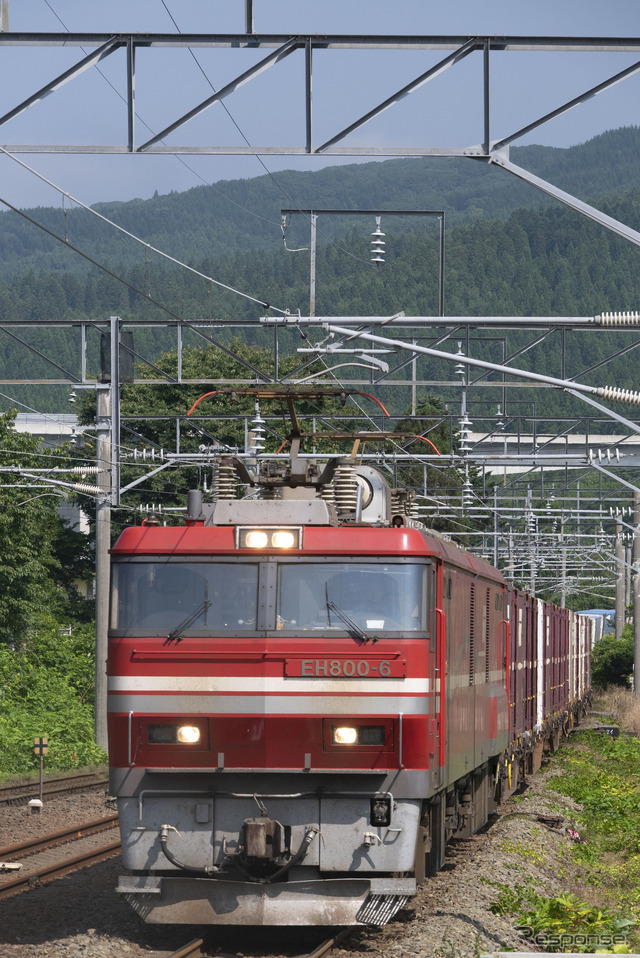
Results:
<point x="472" y="623"/>
<point x="487" y="637"/>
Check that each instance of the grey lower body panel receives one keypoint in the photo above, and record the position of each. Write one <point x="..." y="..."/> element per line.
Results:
<point x="408" y="783"/>
<point x="203" y="901"/>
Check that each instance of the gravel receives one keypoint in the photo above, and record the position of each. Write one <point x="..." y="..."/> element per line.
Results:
<point x="80" y="916"/>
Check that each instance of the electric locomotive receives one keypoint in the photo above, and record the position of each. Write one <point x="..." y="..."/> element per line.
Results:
<point x="308" y="696"/>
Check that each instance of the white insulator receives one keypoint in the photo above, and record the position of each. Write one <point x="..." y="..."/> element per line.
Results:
<point x="629" y="396"/>
<point x="90" y="490"/>
<point x="327" y="493"/>
<point x="345" y="486"/>
<point x="224" y="482"/>
<point x="628" y="318"/>
<point x="85" y="470"/>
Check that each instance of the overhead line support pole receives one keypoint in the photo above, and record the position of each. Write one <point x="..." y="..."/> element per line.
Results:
<point x="620" y="581"/>
<point x="636" y="590"/>
<point x="103" y="544"/>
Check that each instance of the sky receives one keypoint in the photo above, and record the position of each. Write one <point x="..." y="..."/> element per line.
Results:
<point x="269" y="111"/>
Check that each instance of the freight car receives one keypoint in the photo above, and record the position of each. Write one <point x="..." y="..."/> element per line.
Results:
<point x="310" y="694"/>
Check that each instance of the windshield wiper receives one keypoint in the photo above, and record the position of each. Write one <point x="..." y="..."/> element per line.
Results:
<point x="176" y="634"/>
<point x="354" y="630"/>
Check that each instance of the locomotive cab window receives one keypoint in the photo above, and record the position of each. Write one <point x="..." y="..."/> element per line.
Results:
<point x="167" y="597"/>
<point x="372" y="597"/>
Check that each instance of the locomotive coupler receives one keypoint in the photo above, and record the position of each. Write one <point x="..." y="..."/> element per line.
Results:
<point x="265" y="841"/>
<point x="262" y="838"/>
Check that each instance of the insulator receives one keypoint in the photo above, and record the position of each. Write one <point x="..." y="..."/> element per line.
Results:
<point x="90" y="490"/>
<point x="85" y="470"/>
<point x="345" y="484"/>
<point x="224" y="482"/>
<point x="377" y="244"/>
<point x="403" y="503"/>
<point x="628" y="318"/>
<point x="327" y="492"/>
<point x="629" y="396"/>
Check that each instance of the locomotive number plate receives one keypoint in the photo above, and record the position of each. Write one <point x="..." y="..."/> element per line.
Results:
<point x="346" y="668"/>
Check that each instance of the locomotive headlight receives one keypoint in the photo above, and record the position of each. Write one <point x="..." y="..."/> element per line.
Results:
<point x="255" y="539"/>
<point x="167" y="734"/>
<point x="345" y="735"/>
<point x="283" y="539"/>
<point x="361" y="735"/>
<point x="268" y="537"/>
<point x="188" y="734"/>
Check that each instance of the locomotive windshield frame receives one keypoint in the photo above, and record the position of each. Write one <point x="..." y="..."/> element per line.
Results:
<point x="179" y="596"/>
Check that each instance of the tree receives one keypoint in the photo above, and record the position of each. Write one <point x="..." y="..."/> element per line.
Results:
<point x="48" y="689"/>
<point x="612" y="659"/>
<point x="32" y="581"/>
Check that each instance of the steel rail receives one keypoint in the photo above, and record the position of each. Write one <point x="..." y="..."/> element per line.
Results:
<point x="57" y="838"/>
<point x="327" y="945"/>
<point x="59" y="869"/>
<point x="10" y="794"/>
<point x="192" y="949"/>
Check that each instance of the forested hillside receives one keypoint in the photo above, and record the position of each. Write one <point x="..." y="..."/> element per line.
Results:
<point x="229" y="216"/>
<point x="536" y="260"/>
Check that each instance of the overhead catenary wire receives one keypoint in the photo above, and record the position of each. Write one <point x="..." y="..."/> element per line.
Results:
<point x="180" y="159"/>
<point x="264" y="166"/>
<point x="129" y="235"/>
<point x="191" y="169"/>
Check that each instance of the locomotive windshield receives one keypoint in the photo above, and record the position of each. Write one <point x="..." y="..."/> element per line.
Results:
<point x="389" y="597"/>
<point x="175" y="596"/>
<point x="162" y="597"/>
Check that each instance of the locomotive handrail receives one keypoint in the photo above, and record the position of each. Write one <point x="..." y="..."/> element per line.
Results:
<point x="130" y="747"/>
<point x="507" y="658"/>
<point x="203" y="656"/>
<point x="441" y="620"/>
<point x="196" y="656"/>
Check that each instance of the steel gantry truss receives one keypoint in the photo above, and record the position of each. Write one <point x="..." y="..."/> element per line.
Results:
<point x="264" y="51"/>
<point x="493" y="426"/>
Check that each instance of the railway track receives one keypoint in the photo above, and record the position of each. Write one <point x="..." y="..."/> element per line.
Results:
<point x="325" y="947"/>
<point x="191" y="950"/>
<point x="16" y="794"/>
<point x="55" y="855"/>
<point x="57" y="838"/>
<point x="194" y="948"/>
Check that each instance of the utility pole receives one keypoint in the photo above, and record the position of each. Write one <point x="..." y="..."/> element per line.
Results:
<point x="103" y="544"/>
<point x="563" y="560"/>
<point x="636" y="591"/>
<point x="108" y="462"/>
<point x="620" y="579"/>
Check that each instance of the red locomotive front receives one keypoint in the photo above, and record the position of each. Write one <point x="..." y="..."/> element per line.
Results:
<point x="305" y="701"/>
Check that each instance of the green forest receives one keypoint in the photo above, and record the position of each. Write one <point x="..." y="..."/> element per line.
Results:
<point x="508" y="252"/>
